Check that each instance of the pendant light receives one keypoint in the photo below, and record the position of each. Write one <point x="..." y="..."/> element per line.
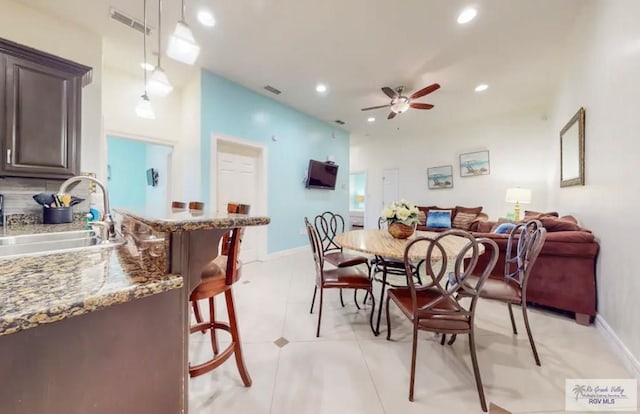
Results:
<point x="159" y="83"/>
<point x="182" y="45"/>
<point x="144" y="108"/>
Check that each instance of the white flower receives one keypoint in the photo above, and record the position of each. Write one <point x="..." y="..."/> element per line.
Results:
<point x="403" y="213"/>
<point x="388" y="213"/>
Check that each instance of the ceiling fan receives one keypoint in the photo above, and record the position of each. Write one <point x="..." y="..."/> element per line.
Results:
<point x="400" y="103"/>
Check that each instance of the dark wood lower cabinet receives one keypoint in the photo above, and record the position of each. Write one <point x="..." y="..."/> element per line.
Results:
<point x="128" y="358"/>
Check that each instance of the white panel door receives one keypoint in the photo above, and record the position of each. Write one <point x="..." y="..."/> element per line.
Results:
<point x="390" y="186"/>
<point x="237" y="182"/>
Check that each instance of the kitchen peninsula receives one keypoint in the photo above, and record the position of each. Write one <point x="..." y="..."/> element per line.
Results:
<point x="105" y="329"/>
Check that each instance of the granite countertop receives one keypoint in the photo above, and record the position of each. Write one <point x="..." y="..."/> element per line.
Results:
<point x="24" y="229"/>
<point x="187" y="221"/>
<point x="40" y="289"/>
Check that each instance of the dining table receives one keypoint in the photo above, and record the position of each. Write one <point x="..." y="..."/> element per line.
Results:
<point x="384" y="246"/>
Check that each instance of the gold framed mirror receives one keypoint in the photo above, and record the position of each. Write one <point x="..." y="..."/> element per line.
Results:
<point x="572" y="151"/>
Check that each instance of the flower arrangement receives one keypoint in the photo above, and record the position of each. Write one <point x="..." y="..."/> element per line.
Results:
<point x="402" y="212"/>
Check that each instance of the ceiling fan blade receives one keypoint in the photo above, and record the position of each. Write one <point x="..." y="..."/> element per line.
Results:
<point x="420" y="105"/>
<point x="375" y="107"/>
<point x="392" y="115"/>
<point x="425" y="91"/>
<point x="390" y="92"/>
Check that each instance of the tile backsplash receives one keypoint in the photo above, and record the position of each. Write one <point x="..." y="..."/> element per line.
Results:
<point x="18" y="194"/>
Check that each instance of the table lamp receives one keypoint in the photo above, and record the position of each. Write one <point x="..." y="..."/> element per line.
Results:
<point x="518" y="195"/>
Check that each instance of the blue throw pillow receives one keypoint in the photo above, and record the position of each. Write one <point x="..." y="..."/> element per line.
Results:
<point x="439" y="219"/>
<point x="504" y="228"/>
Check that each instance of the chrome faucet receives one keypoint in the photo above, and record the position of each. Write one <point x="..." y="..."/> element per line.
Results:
<point x="107" y="218"/>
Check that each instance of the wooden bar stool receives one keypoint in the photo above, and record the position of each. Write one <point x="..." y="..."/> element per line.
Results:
<point x="218" y="277"/>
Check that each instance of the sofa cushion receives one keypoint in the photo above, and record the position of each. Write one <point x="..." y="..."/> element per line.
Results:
<point x="439" y="219"/>
<point x="502" y="220"/>
<point x="469" y="210"/>
<point x="531" y="215"/>
<point x="485" y="226"/>
<point x="553" y="224"/>
<point x="463" y="220"/>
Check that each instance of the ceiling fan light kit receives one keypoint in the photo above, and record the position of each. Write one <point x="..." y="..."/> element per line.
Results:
<point x="400" y="103"/>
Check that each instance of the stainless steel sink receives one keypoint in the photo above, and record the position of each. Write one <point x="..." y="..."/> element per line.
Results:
<point x="44" y="243"/>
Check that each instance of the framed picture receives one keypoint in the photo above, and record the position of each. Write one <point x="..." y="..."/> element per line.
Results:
<point x="440" y="177"/>
<point x="474" y="163"/>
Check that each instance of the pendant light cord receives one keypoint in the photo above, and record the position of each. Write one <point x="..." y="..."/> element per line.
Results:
<point x="144" y="33"/>
<point x="159" y="33"/>
<point x="183" y="7"/>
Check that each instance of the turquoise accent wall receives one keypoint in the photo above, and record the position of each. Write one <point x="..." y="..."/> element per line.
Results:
<point x="233" y="110"/>
<point x="127" y="177"/>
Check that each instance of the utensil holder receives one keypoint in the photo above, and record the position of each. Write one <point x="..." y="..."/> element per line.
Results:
<point x="57" y="215"/>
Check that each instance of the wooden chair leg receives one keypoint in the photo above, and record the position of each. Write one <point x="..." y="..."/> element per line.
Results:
<point x="196" y="311"/>
<point x="513" y="321"/>
<point x="476" y="370"/>
<point x="235" y="337"/>
<point x="528" y="327"/>
<point x="212" y="319"/>
<point x="319" y="314"/>
<point x="414" y="351"/>
<point x="315" y="289"/>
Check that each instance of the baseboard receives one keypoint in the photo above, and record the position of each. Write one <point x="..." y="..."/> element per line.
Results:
<point x="284" y="253"/>
<point x="620" y="349"/>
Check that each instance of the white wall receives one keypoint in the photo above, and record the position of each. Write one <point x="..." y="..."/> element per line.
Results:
<point x="519" y="157"/>
<point x="187" y="161"/>
<point x="30" y="27"/>
<point x="603" y="76"/>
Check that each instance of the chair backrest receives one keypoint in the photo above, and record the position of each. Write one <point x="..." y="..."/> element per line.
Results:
<point x="327" y="225"/>
<point x="316" y="248"/>
<point x="234" y="208"/>
<point x="437" y="267"/>
<point x="233" y="252"/>
<point x="523" y="248"/>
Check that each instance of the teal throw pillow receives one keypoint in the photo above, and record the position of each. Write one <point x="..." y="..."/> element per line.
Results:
<point x="439" y="219"/>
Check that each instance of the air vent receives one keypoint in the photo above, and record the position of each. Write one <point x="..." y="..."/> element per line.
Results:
<point x="272" y="90"/>
<point x="120" y="17"/>
<point x="337" y="121"/>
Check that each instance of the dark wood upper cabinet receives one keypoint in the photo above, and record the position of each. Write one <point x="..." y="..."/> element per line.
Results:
<point x="41" y="98"/>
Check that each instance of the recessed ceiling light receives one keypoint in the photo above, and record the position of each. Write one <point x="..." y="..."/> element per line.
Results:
<point x="371" y="119"/>
<point x="482" y="87"/>
<point x="147" y="66"/>
<point x="467" y="15"/>
<point x="321" y="88"/>
<point x="206" y="18"/>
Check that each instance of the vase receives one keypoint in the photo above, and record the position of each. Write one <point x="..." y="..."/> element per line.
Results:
<point x="399" y="230"/>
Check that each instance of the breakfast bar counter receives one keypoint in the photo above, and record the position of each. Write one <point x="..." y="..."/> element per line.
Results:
<point x="105" y="328"/>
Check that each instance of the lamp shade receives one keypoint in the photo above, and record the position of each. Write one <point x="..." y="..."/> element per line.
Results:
<point x="182" y="45"/>
<point x="159" y="83"/>
<point x="144" y="108"/>
<point x="518" y="195"/>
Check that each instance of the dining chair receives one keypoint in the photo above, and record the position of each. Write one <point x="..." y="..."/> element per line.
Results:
<point x="327" y="225"/>
<point x="523" y="248"/>
<point x="350" y="277"/>
<point x="389" y="266"/>
<point x="434" y="308"/>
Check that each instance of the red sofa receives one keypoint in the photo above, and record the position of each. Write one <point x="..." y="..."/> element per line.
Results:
<point x="477" y="211"/>
<point x="564" y="276"/>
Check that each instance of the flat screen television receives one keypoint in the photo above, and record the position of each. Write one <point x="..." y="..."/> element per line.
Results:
<point x="322" y="175"/>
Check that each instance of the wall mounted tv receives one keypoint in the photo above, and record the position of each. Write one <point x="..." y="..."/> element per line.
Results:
<point x="322" y="175"/>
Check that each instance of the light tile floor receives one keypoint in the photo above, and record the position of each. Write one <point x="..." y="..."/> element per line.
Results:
<point x="348" y="370"/>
